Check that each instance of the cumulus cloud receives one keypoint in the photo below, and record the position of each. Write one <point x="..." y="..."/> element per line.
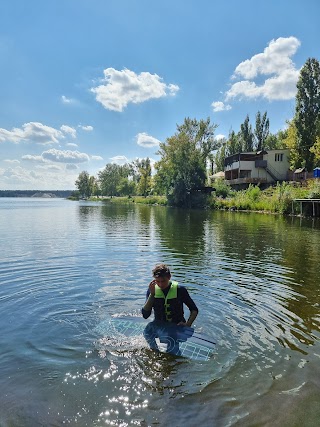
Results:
<point x="71" y="166"/>
<point x="66" y="100"/>
<point x="275" y="61"/>
<point x="69" y="130"/>
<point x="19" y="175"/>
<point x="66" y="156"/>
<point x="32" y="132"/>
<point x="220" y="106"/>
<point x="12" y="161"/>
<point x="96" y="158"/>
<point x="146" y="140"/>
<point x="119" y="88"/>
<point x="86" y="128"/>
<point x="31" y="158"/>
<point x="120" y="160"/>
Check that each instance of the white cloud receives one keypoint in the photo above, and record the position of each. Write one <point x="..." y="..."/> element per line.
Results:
<point x="32" y="132"/>
<point x="31" y="158"/>
<point x="119" y="88"/>
<point x="220" y="106"/>
<point x="120" y="160"/>
<point x="146" y="140"/>
<point x="66" y="100"/>
<point x="71" y="166"/>
<point x="69" y="130"/>
<point x="66" y="156"/>
<point x="275" y="61"/>
<point x="96" y="158"/>
<point x="71" y="144"/>
<point x="49" y="178"/>
<point x="19" y="175"/>
<point x="12" y="161"/>
<point x="86" y="128"/>
<point x="49" y="168"/>
<point x="219" y="136"/>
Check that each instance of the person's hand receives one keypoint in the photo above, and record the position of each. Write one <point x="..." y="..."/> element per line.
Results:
<point x="152" y="287"/>
<point x="184" y="324"/>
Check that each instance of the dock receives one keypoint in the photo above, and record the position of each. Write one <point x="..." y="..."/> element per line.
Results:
<point x="315" y="203"/>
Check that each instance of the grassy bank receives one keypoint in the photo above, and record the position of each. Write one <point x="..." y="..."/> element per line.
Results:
<point x="150" y="200"/>
<point x="276" y="199"/>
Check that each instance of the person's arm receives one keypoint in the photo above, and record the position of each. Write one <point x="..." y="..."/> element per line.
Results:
<point x="191" y="306"/>
<point x="147" y="308"/>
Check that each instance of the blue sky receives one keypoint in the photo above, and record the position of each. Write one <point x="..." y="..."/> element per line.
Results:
<point x="87" y="82"/>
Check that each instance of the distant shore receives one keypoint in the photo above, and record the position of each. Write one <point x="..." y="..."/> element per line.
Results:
<point x="36" y="193"/>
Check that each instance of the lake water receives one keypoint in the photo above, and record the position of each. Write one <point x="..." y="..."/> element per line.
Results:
<point x="66" y="266"/>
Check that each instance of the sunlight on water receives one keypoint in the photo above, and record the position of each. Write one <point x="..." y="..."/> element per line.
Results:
<point x="68" y="266"/>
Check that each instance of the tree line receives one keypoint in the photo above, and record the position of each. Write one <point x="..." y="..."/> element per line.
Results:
<point x="184" y="156"/>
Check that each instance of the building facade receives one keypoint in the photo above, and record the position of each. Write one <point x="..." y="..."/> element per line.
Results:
<point x="262" y="167"/>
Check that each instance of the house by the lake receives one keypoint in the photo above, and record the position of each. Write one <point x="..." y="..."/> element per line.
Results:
<point x="260" y="168"/>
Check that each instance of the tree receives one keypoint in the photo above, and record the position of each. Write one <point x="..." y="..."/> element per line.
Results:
<point x="276" y="141"/>
<point x="94" y="186"/>
<point x="110" y="177"/>
<point x="182" y="167"/>
<point x="83" y="184"/>
<point x="261" y="131"/>
<point x="291" y="142"/>
<point x="246" y="135"/>
<point x="307" y="111"/>
<point x="142" y="175"/>
<point x="315" y="149"/>
<point x="234" y="144"/>
<point x="126" y="187"/>
<point x="220" y="157"/>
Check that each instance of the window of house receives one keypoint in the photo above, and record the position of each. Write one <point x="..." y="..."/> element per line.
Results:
<point x="278" y="157"/>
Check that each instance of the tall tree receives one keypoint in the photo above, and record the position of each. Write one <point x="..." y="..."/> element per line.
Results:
<point x="246" y="135"/>
<point x="291" y="142"/>
<point x="234" y="143"/>
<point x="83" y="184"/>
<point x="143" y="167"/>
<point x="307" y="112"/>
<point x="110" y="177"/>
<point x="261" y="131"/>
<point x="182" y="166"/>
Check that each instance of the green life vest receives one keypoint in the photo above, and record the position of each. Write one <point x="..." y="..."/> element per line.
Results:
<point x="172" y="294"/>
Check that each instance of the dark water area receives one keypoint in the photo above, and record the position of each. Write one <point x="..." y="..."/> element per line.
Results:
<point x="66" y="266"/>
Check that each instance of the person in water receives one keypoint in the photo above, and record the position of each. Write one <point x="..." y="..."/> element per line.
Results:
<point x="167" y="300"/>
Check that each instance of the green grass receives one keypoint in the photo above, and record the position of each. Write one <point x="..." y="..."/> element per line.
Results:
<point x="276" y="199"/>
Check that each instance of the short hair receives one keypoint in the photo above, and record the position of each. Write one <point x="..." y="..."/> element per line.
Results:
<point x="161" y="270"/>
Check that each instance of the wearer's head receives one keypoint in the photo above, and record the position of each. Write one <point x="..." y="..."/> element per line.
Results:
<point x="161" y="270"/>
<point x="162" y="275"/>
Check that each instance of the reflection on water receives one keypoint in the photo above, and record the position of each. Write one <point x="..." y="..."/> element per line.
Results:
<point x="66" y="266"/>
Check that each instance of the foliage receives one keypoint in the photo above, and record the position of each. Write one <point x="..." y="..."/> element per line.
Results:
<point x="313" y="189"/>
<point x="149" y="200"/>
<point x="246" y="136"/>
<point x="83" y="184"/>
<point x="143" y="176"/>
<point x="261" y="130"/>
<point x="126" y="187"/>
<point x="222" y="189"/>
<point x="307" y="112"/>
<point x="291" y="142"/>
<point x="276" y="199"/>
<point x="110" y="177"/>
<point x="182" y="167"/>
<point x="315" y="150"/>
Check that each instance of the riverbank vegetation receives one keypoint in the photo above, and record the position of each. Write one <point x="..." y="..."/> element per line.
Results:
<point x="187" y="158"/>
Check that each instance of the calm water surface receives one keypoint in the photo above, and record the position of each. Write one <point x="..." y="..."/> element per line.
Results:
<point x="66" y="266"/>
